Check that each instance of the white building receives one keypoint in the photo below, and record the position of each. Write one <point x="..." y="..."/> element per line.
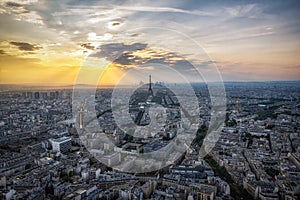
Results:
<point x="62" y="144"/>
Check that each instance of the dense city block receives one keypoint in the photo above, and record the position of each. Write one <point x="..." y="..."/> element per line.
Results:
<point x="257" y="156"/>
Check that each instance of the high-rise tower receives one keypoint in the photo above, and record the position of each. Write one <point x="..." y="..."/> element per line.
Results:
<point x="81" y="117"/>
<point x="150" y="91"/>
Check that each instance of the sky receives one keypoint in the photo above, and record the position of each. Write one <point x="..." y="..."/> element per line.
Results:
<point x="46" y="42"/>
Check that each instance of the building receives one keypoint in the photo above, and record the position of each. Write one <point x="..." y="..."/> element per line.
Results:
<point x="112" y="159"/>
<point x="150" y="91"/>
<point x="62" y="144"/>
<point x="36" y="95"/>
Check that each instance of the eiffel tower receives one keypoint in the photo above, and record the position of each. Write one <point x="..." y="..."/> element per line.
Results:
<point x="150" y="91"/>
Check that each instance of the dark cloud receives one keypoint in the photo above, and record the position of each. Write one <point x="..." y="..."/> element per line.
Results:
<point x="113" y="51"/>
<point x="16" y="8"/>
<point x="12" y="4"/>
<point x="157" y="60"/>
<point x="2" y="52"/>
<point x="24" y="46"/>
<point x="88" y="46"/>
<point x="116" y="23"/>
<point x="127" y="59"/>
<point x="135" y="35"/>
<point x="123" y="55"/>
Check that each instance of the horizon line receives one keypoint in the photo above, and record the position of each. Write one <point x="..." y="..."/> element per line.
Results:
<point x="112" y="85"/>
<point x="66" y="84"/>
<point x="87" y="86"/>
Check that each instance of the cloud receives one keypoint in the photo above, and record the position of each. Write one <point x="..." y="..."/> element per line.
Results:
<point x="88" y="46"/>
<point x="164" y="9"/>
<point x="114" y="24"/>
<point x="241" y="34"/>
<point x="13" y="4"/>
<point x="2" y="52"/>
<point x="22" y="11"/>
<point x="139" y="55"/>
<point x="248" y="10"/>
<point x="24" y="46"/>
<point x="209" y="62"/>
<point x="94" y="37"/>
<point x="113" y="51"/>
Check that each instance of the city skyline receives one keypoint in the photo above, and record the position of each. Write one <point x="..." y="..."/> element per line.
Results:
<point x="53" y="146"/>
<point x="46" y="43"/>
<point x="172" y="99"/>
